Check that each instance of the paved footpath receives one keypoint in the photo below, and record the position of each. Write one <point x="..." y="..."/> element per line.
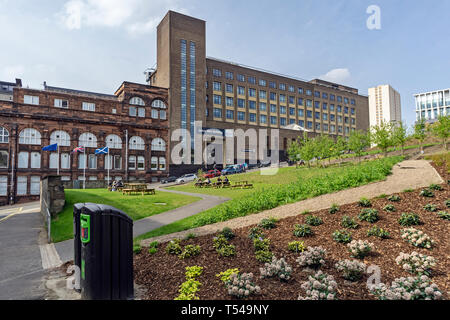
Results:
<point x="409" y="174"/>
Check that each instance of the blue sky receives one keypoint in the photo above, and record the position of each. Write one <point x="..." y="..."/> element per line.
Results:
<point x="96" y="44"/>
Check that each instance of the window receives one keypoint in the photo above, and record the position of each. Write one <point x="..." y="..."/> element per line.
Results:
<point x="339" y="108"/>
<point x="291" y="100"/>
<point x="60" y="103"/>
<point x="162" y="114"/>
<point x="88" y="140"/>
<point x="154" y="163"/>
<point x="81" y="161"/>
<point x="273" y="96"/>
<point x="273" y="120"/>
<point x="217" y="99"/>
<point x="158" y="144"/>
<point x="339" y="99"/>
<point x="317" y="114"/>
<point x="65" y="161"/>
<point x="229" y="102"/>
<point x="325" y="127"/>
<point x="23" y="160"/>
<point x="162" y="163"/>
<point x="252" y="80"/>
<point x="301" y="123"/>
<point x="3" y="185"/>
<point x="317" y="126"/>
<point x="262" y="94"/>
<point x="22" y="186"/>
<point x="217" y="86"/>
<point x="272" y="84"/>
<point x="352" y="111"/>
<point x="229" y="88"/>
<point x="241" y="116"/>
<point x="251" y="92"/>
<point x="332" y="117"/>
<point x="262" y="106"/>
<point x="300" y="101"/>
<point x="291" y="89"/>
<point x="308" y="92"/>
<point x="35" y="160"/>
<point x="241" y="90"/>
<point x="332" y="97"/>
<point x="141" y="112"/>
<point x="230" y="114"/>
<point x="241" y="103"/>
<point x="88" y="106"/>
<point x="241" y="77"/>
<point x="117" y="162"/>
<point x="353" y="121"/>
<point x="308" y="114"/>
<point x="282" y="98"/>
<point x="282" y="110"/>
<point x="273" y="108"/>
<point x="292" y="111"/>
<point x="137" y="101"/>
<point x="325" y="116"/>
<point x="309" y="125"/>
<point x="331" y="107"/>
<point x="346" y="110"/>
<point x="317" y="94"/>
<point x="352" y="102"/>
<point x="92" y="161"/>
<point x="113" y="141"/>
<point x="3" y="159"/>
<point x="346" y="100"/>
<point x="217" y="113"/>
<point x="159" y="104"/>
<point x="141" y="163"/>
<point x="217" y="73"/>
<point x="332" y="128"/>
<point x="252" y="105"/>
<point x="30" y="136"/>
<point x="35" y="185"/>
<point x="137" y="143"/>
<point x="324" y="106"/>
<point x="62" y="138"/>
<point x="309" y="103"/>
<point x="282" y="121"/>
<point x="4" y="135"/>
<point x="317" y="104"/>
<point x="263" y="118"/>
<point x="31" y="99"/>
<point x="300" y="90"/>
<point x="282" y="86"/>
<point x="229" y="75"/>
<point x="252" y="117"/>
<point x="262" y="82"/>
<point x="301" y="113"/>
<point x="132" y="162"/>
<point x="324" y="95"/>
<point x="132" y="111"/>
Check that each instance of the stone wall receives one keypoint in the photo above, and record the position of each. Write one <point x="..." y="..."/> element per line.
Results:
<point x="52" y="195"/>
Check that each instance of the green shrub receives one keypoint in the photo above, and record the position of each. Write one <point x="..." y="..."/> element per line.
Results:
<point x="220" y="243"/>
<point x="190" y="251"/>
<point x="296" y="246"/>
<point x="349" y="223"/>
<point x="174" y="247"/>
<point x="302" y="230"/>
<point x="389" y="208"/>
<point x="394" y="198"/>
<point x="378" y="232"/>
<point x="342" y="236"/>
<point x="334" y="208"/>
<point x="190" y="236"/>
<point x="225" y="275"/>
<point x="313" y="220"/>
<point x="227" y="233"/>
<point x="154" y="244"/>
<point x="152" y="251"/>
<point x="430" y="207"/>
<point x="190" y="287"/>
<point x="137" y="248"/>
<point x="382" y="196"/>
<point x="364" y="202"/>
<point x="268" y="223"/>
<point x="409" y="219"/>
<point x="369" y="215"/>
<point x="427" y="193"/>
<point x="435" y="187"/>
<point x="447" y="203"/>
<point x="256" y="233"/>
<point x="408" y="190"/>
<point x="306" y="212"/>
<point x="444" y="215"/>
<point x="261" y="244"/>
<point x="263" y="256"/>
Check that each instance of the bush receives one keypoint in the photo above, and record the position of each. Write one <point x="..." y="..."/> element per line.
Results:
<point x="190" y="236"/>
<point x="320" y="286"/>
<point x="152" y="251"/>
<point x="417" y="238"/>
<point x="137" y="248"/>
<point x="261" y="244"/>
<point x="268" y="223"/>
<point x="296" y="246"/>
<point x="334" y="208"/>
<point x="154" y="244"/>
<point x="263" y="255"/>
<point x="394" y="198"/>
<point x="364" y="202"/>
<point x="351" y="270"/>
<point x="349" y="223"/>
<point x="409" y="219"/>
<point x="225" y="275"/>
<point x="256" y="233"/>
<point x="444" y="215"/>
<point x="313" y="220"/>
<point x="411" y="288"/>
<point x="302" y="230"/>
<point x="435" y="187"/>
<point x="416" y="263"/>
<point x="378" y="232"/>
<point x="174" y="247"/>
<point x="369" y="215"/>
<point x="190" y="251"/>
<point x="227" y="233"/>
<point x="359" y="248"/>
<point x="342" y="236"/>
<point x="430" y="207"/>
<point x="447" y="203"/>
<point x="427" y="193"/>
<point x="313" y="257"/>
<point x="276" y="268"/>
<point x="241" y="285"/>
<point x="389" y="208"/>
<point x="220" y="243"/>
<point x="189" y="288"/>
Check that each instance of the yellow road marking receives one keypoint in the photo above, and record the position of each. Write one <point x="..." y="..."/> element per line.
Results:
<point x="12" y="214"/>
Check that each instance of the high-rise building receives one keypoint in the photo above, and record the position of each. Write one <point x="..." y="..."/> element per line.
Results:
<point x="431" y="105"/>
<point x="384" y="105"/>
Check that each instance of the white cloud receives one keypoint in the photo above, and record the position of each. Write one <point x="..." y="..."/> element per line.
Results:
<point x="339" y="75"/>
<point x="136" y="16"/>
<point x="9" y="73"/>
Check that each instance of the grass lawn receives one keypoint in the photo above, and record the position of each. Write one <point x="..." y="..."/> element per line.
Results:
<point x="135" y="206"/>
<point x="288" y="186"/>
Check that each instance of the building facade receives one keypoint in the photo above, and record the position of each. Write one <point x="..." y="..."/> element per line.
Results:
<point x="132" y="123"/>
<point x="431" y="105"/>
<point x="384" y="105"/>
<point x="225" y="95"/>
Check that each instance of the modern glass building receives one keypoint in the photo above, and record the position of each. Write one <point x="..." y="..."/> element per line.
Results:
<point x="431" y="105"/>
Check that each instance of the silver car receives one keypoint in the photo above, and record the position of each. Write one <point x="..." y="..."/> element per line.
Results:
<point x="186" y="178"/>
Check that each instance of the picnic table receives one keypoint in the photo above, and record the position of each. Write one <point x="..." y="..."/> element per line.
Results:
<point x="242" y="185"/>
<point x="136" y="188"/>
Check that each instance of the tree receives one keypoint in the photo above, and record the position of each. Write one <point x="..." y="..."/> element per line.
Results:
<point x="307" y="149"/>
<point x="420" y="132"/>
<point x="358" y="142"/>
<point x="339" y="147"/>
<point x="441" y="129"/>
<point x="382" y="136"/>
<point x="399" y="136"/>
<point x="293" y="151"/>
<point x="324" y="145"/>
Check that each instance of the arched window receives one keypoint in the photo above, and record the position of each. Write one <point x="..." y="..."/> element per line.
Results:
<point x="159" y="104"/>
<point x="137" y="143"/>
<point x="4" y="135"/>
<point x="158" y="144"/>
<point x="113" y="141"/>
<point x="88" y="140"/>
<point x="137" y="101"/>
<point x="62" y="138"/>
<point x="30" y="136"/>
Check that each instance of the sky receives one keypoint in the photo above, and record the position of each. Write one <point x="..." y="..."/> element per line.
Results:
<point x="95" y="45"/>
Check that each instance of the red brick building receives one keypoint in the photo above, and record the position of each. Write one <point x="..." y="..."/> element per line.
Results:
<point x="132" y="123"/>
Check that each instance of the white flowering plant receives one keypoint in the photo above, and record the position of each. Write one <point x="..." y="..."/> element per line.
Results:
<point x="319" y="286"/>
<point x="359" y="248"/>
<point x="411" y="288"/>
<point x="313" y="257"/>
<point x="351" y="270"/>
<point x="416" y="263"/>
<point x="276" y="268"/>
<point x="417" y="238"/>
<point x="242" y="285"/>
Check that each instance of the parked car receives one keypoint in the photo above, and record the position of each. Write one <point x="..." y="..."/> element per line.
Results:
<point x="239" y="168"/>
<point x="212" y="174"/>
<point x="230" y="169"/>
<point x="168" y="179"/>
<point x="187" y="178"/>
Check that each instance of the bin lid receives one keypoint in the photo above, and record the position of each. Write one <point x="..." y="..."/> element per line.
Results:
<point x="103" y="209"/>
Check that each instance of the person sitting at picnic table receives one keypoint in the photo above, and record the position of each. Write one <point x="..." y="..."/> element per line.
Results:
<point x="208" y="181"/>
<point x="219" y="179"/>
<point x="114" y="186"/>
<point x="226" y="181"/>
<point x="119" y="184"/>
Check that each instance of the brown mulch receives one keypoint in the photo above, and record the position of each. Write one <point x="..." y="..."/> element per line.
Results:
<point x="162" y="274"/>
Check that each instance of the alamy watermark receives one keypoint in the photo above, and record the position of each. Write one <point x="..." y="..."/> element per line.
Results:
<point x="374" y="20"/>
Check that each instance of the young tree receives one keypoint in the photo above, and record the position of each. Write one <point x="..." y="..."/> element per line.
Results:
<point x="293" y="151"/>
<point x="382" y="136"/>
<point x="324" y="145"/>
<point x="399" y="136"/>
<point x="339" y="147"/>
<point x="307" y="149"/>
<point x="441" y="129"/>
<point x="420" y="132"/>
<point x="358" y="142"/>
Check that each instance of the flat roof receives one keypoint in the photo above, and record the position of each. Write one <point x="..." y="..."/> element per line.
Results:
<point x="434" y="91"/>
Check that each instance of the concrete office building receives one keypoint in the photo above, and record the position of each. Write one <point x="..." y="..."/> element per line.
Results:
<point x="384" y="105"/>
<point x="225" y="95"/>
<point x="431" y="105"/>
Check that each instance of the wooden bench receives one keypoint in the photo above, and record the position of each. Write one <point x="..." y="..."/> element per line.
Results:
<point x="139" y="191"/>
<point x="242" y="185"/>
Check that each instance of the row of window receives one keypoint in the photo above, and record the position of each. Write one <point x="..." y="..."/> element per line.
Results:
<point x="87" y="139"/>
<point x="281" y="86"/>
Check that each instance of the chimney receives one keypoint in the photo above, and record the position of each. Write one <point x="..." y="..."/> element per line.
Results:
<point x="19" y="83"/>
